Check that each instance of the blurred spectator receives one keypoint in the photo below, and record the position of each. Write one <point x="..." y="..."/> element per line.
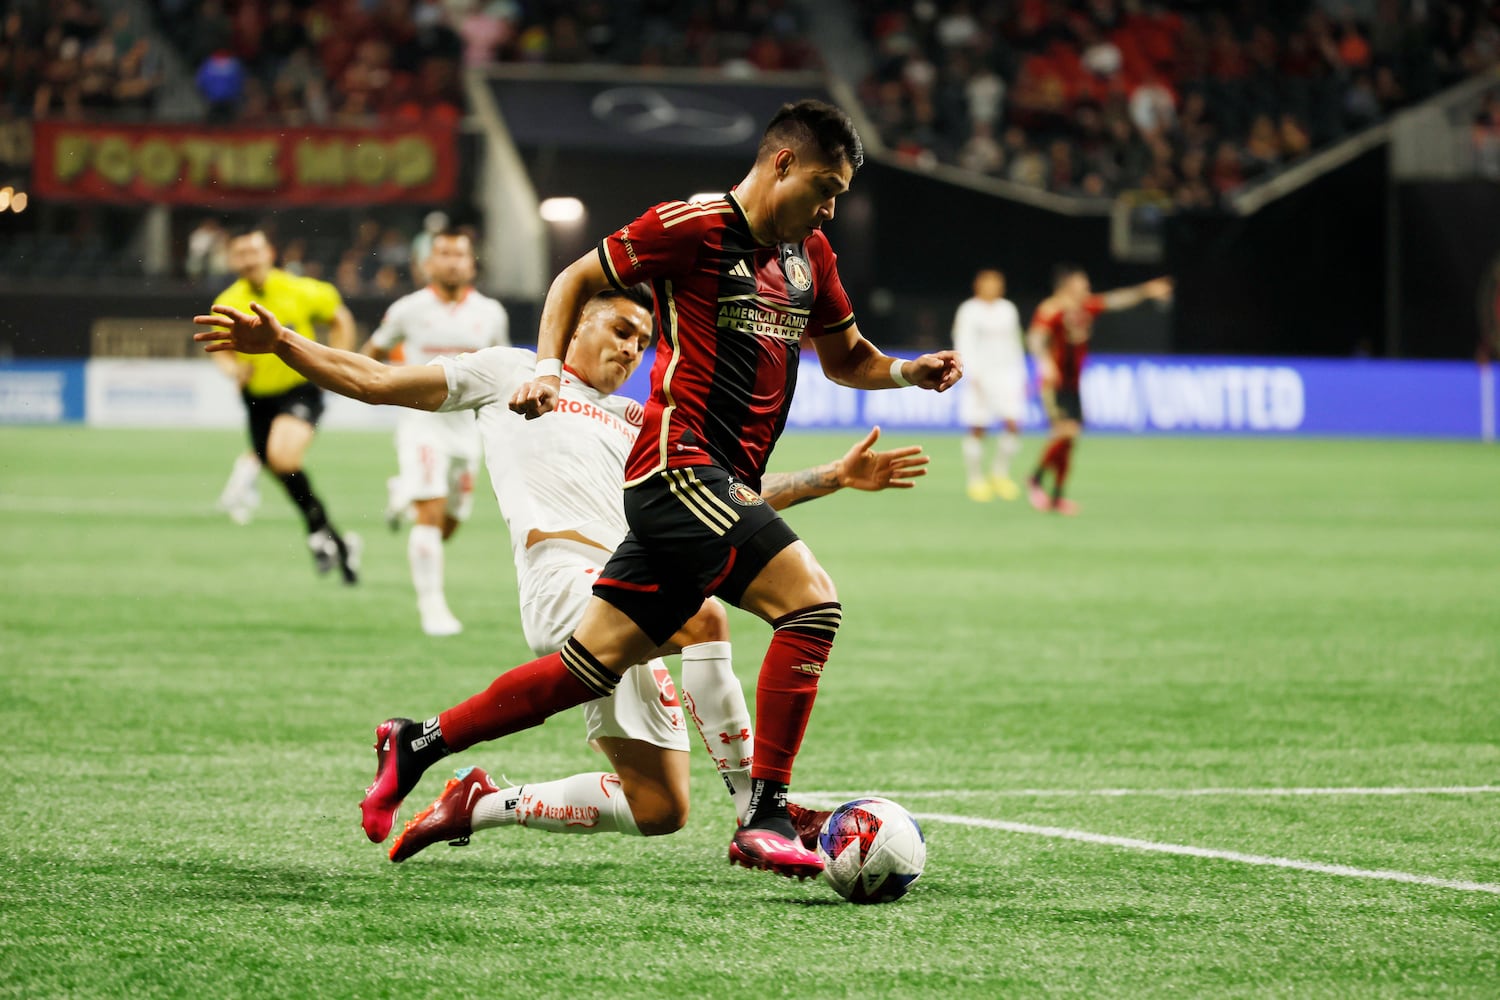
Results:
<point x="421" y="244"/>
<point x="221" y="82"/>
<point x="208" y="251"/>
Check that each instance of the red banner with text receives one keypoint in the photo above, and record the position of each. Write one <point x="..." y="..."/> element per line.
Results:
<point x="195" y="165"/>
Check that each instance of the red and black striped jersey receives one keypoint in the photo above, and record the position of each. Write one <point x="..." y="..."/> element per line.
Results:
<point x="732" y="314"/>
<point x="1068" y="333"/>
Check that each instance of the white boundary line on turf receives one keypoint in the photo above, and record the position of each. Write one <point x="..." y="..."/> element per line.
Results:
<point x="1264" y="860"/>
<point x="1117" y="793"/>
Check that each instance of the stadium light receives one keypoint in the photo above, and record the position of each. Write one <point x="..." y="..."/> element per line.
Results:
<point x="561" y="210"/>
<point x="707" y="196"/>
<point x="18" y="202"/>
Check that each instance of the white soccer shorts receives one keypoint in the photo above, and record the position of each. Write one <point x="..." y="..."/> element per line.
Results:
<point x="431" y="467"/>
<point x="991" y="397"/>
<point x="558" y="583"/>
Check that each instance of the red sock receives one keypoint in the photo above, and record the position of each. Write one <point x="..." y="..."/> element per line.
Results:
<point x="787" y="687"/>
<point x="1050" y="457"/>
<point x="518" y="699"/>
<point x="1061" y="465"/>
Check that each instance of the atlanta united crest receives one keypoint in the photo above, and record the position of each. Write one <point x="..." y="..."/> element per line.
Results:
<point x="744" y="495"/>
<point x="798" y="273"/>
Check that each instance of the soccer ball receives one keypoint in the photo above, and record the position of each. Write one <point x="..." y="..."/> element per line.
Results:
<point x="872" y="850"/>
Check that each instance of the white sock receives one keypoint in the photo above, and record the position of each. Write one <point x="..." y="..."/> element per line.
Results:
<point x="716" y="703"/>
<point x="242" y="478"/>
<point x="583" y="803"/>
<point x="1005" y="453"/>
<point x="974" y="457"/>
<point x="424" y="550"/>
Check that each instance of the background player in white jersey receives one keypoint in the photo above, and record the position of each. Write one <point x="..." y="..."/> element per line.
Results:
<point x="438" y="453"/>
<point x="987" y="334"/>
<point x="558" y="484"/>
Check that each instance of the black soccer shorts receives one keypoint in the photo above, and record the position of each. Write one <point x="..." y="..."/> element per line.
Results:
<point x="694" y="532"/>
<point x="1064" y="404"/>
<point x="305" y="402"/>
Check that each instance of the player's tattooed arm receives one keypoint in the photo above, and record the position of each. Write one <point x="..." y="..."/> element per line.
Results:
<point x="861" y="468"/>
<point x="787" y="489"/>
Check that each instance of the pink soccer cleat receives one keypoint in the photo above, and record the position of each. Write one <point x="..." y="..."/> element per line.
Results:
<point x="1037" y="496"/>
<point x="383" y="797"/>
<point x="1065" y="507"/>
<point x="769" y="851"/>
<point x="450" y="818"/>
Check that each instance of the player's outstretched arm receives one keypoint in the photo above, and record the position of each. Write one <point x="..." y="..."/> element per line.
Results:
<point x="566" y="297"/>
<point x="861" y="468"/>
<point x="420" y="387"/>
<point x="1159" y="289"/>
<point x="849" y="359"/>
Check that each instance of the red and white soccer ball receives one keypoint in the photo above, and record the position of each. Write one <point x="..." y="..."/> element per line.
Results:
<point x="872" y="850"/>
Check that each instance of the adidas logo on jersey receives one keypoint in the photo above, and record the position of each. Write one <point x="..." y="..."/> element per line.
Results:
<point x="741" y="269"/>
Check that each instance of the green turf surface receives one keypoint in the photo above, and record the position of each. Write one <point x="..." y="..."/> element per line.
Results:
<point x="187" y="714"/>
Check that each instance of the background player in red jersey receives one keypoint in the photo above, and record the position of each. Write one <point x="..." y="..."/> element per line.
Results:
<point x="738" y="282"/>
<point x="1059" y="341"/>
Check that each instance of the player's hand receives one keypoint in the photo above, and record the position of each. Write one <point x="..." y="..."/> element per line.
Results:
<point x="865" y="469"/>
<point x="536" y="397"/>
<point x="255" y="332"/>
<point x="938" y="372"/>
<point x="1159" y="289"/>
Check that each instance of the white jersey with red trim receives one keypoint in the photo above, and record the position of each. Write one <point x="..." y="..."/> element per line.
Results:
<point x="426" y="327"/>
<point x="562" y="472"/>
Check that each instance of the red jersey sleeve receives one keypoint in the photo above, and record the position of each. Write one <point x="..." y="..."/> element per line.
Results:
<point x="1047" y="317"/>
<point x="832" y="310"/>
<point x="662" y="243"/>
<point x="1093" y="305"/>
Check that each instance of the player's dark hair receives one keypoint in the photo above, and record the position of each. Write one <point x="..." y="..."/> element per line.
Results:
<point x="639" y="294"/>
<point x="816" y="124"/>
<point x="454" y="233"/>
<point x="248" y="229"/>
<point x="1062" y="272"/>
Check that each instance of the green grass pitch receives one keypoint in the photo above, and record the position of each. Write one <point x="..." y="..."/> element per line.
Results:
<point x="187" y="712"/>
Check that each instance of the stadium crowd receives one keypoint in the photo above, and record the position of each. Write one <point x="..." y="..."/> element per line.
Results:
<point x="71" y="59"/>
<point x="348" y="61"/>
<point x="1185" y="98"/>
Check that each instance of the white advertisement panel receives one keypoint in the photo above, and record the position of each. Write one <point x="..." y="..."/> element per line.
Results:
<point x="131" y="392"/>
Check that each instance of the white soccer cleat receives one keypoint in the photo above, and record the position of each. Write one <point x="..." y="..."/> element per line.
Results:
<point x="324" y="549"/>
<point x="437" y="620"/>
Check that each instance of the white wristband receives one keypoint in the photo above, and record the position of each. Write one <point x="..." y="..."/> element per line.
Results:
<point x="896" y="375"/>
<point x="549" y="366"/>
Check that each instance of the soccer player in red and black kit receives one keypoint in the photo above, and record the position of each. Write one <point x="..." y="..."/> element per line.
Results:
<point x="1059" y="341"/>
<point x="739" y="282"/>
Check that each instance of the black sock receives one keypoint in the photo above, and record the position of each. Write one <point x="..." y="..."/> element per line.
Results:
<point x="300" y="490"/>
<point x="768" y="807"/>
<point x="424" y="743"/>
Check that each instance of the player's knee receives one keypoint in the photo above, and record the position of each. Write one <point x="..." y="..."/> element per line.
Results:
<point x="660" y="816"/>
<point x="710" y="624"/>
<point x="283" y="463"/>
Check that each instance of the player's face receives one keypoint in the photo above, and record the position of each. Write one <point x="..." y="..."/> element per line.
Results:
<point x="989" y="285"/>
<point x="451" y="262"/>
<point x="1076" y="287"/>
<point x="611" y="338"/>
<point x="251" y="257"/>
<point x="806" y="188"/>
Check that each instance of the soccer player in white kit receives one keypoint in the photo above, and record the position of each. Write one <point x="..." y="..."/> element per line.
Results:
<point x="558" y="482"/>
<point x="438" y="453"/>
<point x="987" y="334"/>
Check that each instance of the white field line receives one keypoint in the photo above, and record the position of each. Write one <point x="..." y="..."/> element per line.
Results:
<point x="1187" y="850"/>
<point x="1264" y="860"/>
<point x="1118" y="793"/>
